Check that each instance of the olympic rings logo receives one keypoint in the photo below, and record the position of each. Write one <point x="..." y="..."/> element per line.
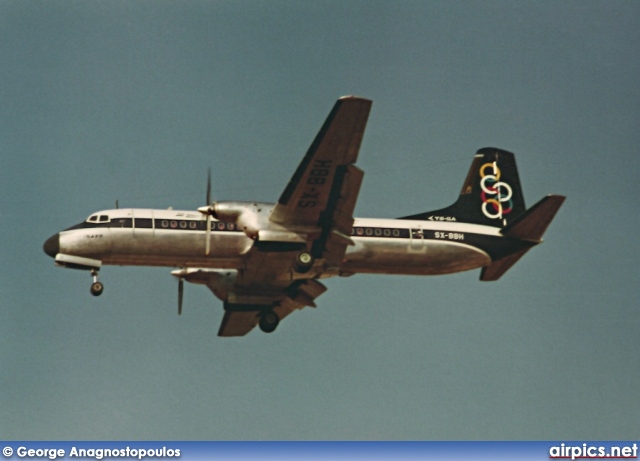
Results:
<point x="496" y="195"/>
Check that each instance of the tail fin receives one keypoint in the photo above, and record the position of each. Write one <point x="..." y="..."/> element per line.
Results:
<point x="491" y="193"/>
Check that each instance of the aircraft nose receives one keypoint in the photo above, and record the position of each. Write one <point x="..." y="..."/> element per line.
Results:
<point x="52" y="245"/>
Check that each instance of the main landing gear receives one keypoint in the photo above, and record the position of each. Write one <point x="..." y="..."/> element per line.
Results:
<point x="96" y="287"/>
<point x="269" y="321"/>
<point x="304" y="262"/>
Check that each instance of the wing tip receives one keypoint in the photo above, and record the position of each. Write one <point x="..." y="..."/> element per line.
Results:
<point x="350" y="96"/>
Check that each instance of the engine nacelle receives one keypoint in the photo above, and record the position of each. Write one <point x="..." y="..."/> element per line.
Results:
<point x="228" y="211"/>
<point x="247" y="216"/>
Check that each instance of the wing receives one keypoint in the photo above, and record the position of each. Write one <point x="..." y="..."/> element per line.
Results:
<point x="240" y="318"/>
<point x="321" y="196"/>
<point x="238" y="323"/>
<point x="315" y="212"/>
<point x="244" y="305"/>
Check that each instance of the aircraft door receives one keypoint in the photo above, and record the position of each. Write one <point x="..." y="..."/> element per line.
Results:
<point x="143" y="226"/>
<point x="416" y="236"/>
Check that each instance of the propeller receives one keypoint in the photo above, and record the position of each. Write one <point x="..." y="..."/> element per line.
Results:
<point x="209" y="186"/>
<point x="180" y="274"/>
<point x="180" y="294"/>
<point x="206" y="210"/>
<point x="208" y="242"/>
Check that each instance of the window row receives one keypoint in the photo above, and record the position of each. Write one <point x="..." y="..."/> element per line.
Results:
<point x="191" y="225"/>
<point x="169" y="224"/>
<point x="201" y="225"/>
<point x="380" y="232"/>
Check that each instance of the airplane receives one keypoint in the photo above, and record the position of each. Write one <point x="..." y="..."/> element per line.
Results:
<point x="266" y="260"/>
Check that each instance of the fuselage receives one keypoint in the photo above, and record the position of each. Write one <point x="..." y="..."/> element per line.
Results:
<point x="177" y="238"/>
<point x="263" y="260"/>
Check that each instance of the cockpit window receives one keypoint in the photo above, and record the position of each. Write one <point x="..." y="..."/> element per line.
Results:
<point x="95" y="219"/>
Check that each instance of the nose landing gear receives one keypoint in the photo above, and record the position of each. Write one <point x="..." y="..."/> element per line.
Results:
<point x="96" y="287"/>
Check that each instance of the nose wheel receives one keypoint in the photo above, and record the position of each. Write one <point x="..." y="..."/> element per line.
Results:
<point x="96" y="287"/>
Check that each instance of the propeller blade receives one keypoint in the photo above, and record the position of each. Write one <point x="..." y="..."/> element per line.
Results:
<point x="209" y="187"/>
<point x="180" y="294"/>
<point x="208" y="237"/>
<point x="208" y="211"/>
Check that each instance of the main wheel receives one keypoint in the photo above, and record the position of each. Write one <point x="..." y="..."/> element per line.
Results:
<point x="97" y="288"/>
<point x="269" y="321"/>
<point x="304" y="262"/>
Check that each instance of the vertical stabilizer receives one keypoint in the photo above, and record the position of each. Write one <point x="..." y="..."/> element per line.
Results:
<point x="491" y="194"/>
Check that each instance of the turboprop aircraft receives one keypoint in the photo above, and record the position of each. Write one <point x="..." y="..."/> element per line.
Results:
<point x="265" y="260"/>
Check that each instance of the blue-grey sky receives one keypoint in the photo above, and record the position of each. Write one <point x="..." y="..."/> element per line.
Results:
<point x="106" y="100"/>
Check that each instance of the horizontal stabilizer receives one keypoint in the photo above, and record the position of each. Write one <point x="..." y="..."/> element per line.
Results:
<point x="494" y="271"/>
<point x="532" y="224"/>
<point x="529" y="226"/>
